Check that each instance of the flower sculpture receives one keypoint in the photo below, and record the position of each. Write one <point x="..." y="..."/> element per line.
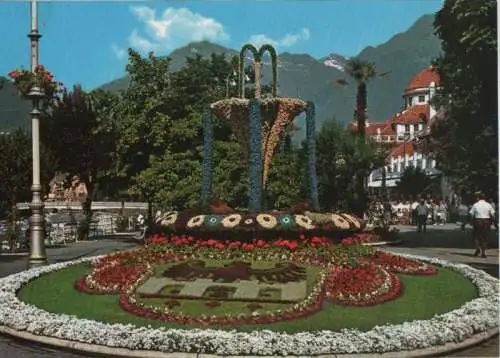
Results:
<point x="259" y="124"/>
<point x="25" y="80"/>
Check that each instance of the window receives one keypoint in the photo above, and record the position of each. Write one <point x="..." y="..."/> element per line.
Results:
<point x="421" y="98"/>
<point x="389" y="170"/>
<point x="410" y="101"/>
<point x="402" y="167"/>
<point x="394" y="167"/>
<point x="419" y="163"/>
<point x="415" y="127"/>
<point x="407" y="128"/>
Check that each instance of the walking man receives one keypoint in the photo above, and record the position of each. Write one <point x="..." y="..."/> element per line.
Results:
<point x="482" y="214"/>
<point x="422" y="212"/>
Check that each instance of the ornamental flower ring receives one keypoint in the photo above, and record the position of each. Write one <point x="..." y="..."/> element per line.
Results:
<point x="196" y="221"/>
<point x="353" y="220"/>
<point x="304" y="222"/>
<point x="286" y="220"/>
<point x="267" y="221"/>
<point x="340" y="222"/>
<point x="169" y="218"/>
<point x="212" y="220"/>
<point x="231" y="221"/>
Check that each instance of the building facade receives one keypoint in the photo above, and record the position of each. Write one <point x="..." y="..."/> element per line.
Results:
<point x="399" y="133"/>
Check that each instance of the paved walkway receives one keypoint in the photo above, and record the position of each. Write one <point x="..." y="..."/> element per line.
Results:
<point x="445" y="242"/>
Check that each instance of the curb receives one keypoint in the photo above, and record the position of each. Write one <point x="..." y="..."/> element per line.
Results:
<point x="382" y="243"/>
<point x="14" y="254"/>
<point x="124" y="352"/>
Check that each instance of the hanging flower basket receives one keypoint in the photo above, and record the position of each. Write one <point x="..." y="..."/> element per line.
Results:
<point x="25" y="80"/>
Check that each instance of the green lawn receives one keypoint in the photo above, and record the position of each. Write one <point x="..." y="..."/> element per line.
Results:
<point x="423" y="297"/>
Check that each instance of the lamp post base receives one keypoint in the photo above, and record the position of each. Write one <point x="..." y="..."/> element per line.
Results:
<point x="34" y="261"/>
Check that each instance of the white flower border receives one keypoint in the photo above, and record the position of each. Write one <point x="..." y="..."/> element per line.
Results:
<point x="478" y="315"/>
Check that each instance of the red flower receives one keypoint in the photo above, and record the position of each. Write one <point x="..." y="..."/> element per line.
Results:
<point x="260" y="243"/>
<point x="248" y="247"/>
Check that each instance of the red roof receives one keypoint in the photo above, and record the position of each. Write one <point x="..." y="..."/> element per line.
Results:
<point x="407" y="148"/>
<point x="412" y="115"/>
<point x="371" y="129"/>
<point x="423" y="79"/>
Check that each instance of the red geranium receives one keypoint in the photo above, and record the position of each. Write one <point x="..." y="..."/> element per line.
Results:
<point x="24" y="81"/>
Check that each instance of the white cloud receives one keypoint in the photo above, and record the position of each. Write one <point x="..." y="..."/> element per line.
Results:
<point x="286" y="41"/>
<point x="173" y="28"/>
<point x="118" y="51"/>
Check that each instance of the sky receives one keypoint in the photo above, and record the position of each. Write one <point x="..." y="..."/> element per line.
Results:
<point x="85" y="42"/>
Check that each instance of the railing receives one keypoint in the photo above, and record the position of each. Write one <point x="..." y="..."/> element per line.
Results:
<point x="96" y="205"/>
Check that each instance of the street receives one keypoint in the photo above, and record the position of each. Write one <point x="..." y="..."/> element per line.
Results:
<point x="446" y="242"/>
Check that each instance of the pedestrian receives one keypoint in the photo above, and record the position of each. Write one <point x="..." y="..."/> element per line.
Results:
<point x="422" y="212"/>
<point x="482" y="214"/>
<point x="414" y="212"/>
<point x="387" y="215"/>
<point x="495" y="219"/>
<point x="442" y="212"/>
<point x="463" y="215"/>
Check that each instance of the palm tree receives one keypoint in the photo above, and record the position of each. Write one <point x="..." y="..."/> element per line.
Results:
<point x="361" y="72"/>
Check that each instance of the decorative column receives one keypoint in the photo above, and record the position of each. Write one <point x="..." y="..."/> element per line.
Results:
<point x="311" y="154"/>
<point x="37" y="223"/>
<point x="255" y="157"/>
<point x="258" y="73"/>
<point x="206" y="185"/>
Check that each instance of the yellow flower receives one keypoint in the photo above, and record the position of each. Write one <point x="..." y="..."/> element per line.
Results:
<point x="196" y="221"/>
<point x="231" y="221"/>
<point x="267" y="221"/>
<point x="304" y="221"/>
<point x="169" y="218"/>
<point x="340" y="222"/>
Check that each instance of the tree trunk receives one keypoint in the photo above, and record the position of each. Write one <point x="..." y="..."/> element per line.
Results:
<point x="361" y="104"/>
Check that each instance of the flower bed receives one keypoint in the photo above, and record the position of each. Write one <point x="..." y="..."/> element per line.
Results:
<point x="352" y="275"/>
<point x="399" y="264"/>
<point x="362" y="286"/>
<point x="473" y="317"/>
<point x="309" y="223"/>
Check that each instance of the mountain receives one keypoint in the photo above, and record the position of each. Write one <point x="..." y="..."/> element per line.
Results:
<point x="335" y="60"/>
<point x="303" y="76"/>
<point x="14" y="112"/>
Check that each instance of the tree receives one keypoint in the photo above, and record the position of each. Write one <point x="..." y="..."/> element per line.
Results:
<point x="464" y="141"/>
<point x="413" y="183"/>
<point x="16" y="173"/>
<point x="340" y="158"/>
<point x="361" y="72"/>
<point x="72" y="133"/>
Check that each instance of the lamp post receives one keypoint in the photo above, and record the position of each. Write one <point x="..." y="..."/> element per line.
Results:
<point x="37" y="230"/>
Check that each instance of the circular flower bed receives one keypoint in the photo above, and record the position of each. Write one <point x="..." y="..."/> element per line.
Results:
<point x="476" y="316"/>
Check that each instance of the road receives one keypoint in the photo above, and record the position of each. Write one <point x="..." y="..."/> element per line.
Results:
<point x="446" y="242"/>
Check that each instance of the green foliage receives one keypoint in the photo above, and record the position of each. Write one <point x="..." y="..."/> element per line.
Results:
<point x="286" y="183"/>
<point x="413" y="183"/>
<point x="340" y="157"/>
<point x="84" y="141"/>
<point x="16" y="173"/>
<point x="464" y="141"/>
